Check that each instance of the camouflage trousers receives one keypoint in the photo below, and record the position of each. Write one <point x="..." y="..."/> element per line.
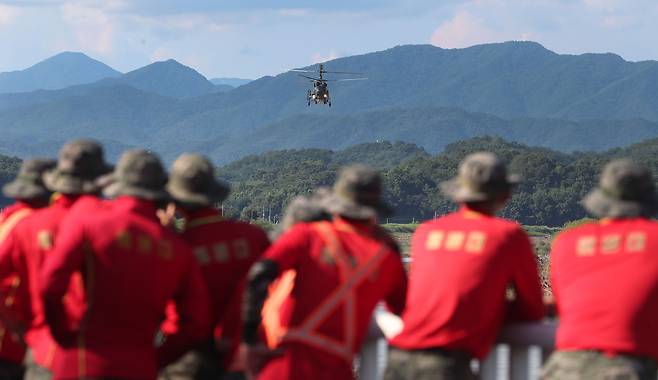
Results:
<point x="33" y="371"/>
<point x="586" y="365"/>
<point x="431" y="364"/>
<point x="10" y="370"/>
<point x="193" y="366"/>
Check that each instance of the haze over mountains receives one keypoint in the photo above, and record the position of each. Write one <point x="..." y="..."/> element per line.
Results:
<point x="416" y="93"/>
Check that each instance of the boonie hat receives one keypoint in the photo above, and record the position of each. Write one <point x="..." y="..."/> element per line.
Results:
<point x="481" y="176"/>
<point x="140" y="174"/>
<point x="28" y="184"/>
<point x="192" y="181"/>
<point x="626" y="189"/>
<point x="357" y="194"/>
<point x="79" y="164"/>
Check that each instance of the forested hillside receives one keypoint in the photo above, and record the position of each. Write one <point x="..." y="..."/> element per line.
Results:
<point x="8" y="170"/>
<point x="554" y="183"/>
<point x="419" y="94"/>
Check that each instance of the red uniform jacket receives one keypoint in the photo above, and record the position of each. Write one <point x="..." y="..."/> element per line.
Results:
<point x="462" y="265"/>
<point x="131" y="266"/>
<point x="328" y="312"/>
<point x="605" y="283"/>
<point x="225" y="250"/>
<point x="12" y="290"/>
<point x="24" y="251"/>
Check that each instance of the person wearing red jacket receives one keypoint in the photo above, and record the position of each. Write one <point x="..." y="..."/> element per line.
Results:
<point x="30" y="194"/>
<point x="225" y="249"/>
<point x="604" y="277"/>
<point x="462" y="266"/>
<point x="131" y="267"/>
<point x="28" y="245"/>
<point x="343" y="268"/>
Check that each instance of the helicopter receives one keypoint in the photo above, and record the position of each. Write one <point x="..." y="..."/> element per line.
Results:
<point x="319" y="94"/>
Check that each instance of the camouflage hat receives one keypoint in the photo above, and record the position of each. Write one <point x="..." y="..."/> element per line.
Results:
<point x="357" y="194"/>
<point x="79" y="164"/>
<point x="481" y="177"/>
<point x="192" y="181"/>
<point x="29" y="181"/>
<point x="139" y="174"/>
<point x="303" y="209"/>
<point x="626" y="189"/>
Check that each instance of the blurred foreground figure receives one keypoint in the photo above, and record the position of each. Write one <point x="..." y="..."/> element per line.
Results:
<point x="605" y="282"/>
<point x="462" y="265"/>
<point x="343" y="269"/>
<point x="225" y="249"/>
<point x="30" y="194"/>
<point x="131" y="267"/>
<point x="28" y="245"/>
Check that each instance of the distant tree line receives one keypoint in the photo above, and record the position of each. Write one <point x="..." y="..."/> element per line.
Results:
<point x="553" y="182"/>
<point x="550" y="194"/>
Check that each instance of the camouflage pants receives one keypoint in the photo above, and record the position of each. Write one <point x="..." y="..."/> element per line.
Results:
<point x="193" y="366"/>
<point x="585" y="365"/>
<point x="433" y="364"/>
<point x="10" y="370"/>
<point x="33" y="371"/>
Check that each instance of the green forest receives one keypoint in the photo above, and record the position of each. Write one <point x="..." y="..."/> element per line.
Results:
<point x="553" y="182"/>
<point x="553" y="185"/>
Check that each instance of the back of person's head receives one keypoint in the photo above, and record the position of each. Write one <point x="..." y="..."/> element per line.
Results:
<point x="193" y="184"/>
<point x="28" y="185"/>
<point x="357" y="194"/>
<point x="139" y="174"/>
<point x="482" y="182"/>
<point x="305" y="209"/>
<point x="79" y="165"/>
<point x="626" y="189"/>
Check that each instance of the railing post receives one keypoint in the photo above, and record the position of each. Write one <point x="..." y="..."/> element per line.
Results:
<point x="496" y="365"/>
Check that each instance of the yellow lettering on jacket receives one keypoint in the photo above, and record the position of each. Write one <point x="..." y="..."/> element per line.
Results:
<point x="434" y="240"/>
<point x="123" y="240"/>
<point x="586" y="246"/>
<point x="475" y="242"/>
<point x="45" y="239"/>
<point x="454" y="240"/>
<point x="221" y="253"/>
<point x="610" y="244"/>
<point x="144" y="245"/>
<point x="636" y="242"/>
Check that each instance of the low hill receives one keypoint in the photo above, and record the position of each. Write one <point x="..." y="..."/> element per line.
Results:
<point x="553" y="182"/>
<point x="60" y="71"/>
<point x="233" y="82"/>
<point x="166" y="78"/>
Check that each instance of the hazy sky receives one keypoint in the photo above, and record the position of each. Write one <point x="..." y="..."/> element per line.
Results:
<point x="252" y="38"/>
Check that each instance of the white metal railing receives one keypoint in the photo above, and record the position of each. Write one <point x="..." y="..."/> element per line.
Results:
<point x="519" y="354"/>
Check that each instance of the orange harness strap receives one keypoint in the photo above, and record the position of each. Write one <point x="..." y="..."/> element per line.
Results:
<point x="351" y="276"/>
<point x="11" y="221"/>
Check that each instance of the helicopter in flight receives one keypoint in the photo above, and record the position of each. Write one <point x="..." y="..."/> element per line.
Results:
<point x="319" y="94"/>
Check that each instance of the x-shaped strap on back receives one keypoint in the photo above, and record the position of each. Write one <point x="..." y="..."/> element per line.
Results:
<point x="351" y="276"/>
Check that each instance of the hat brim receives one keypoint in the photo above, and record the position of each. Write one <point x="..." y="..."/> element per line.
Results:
<point x="19" y="189"/>
<point x="349" y="209"/>
<point x="119" y="188"/>
<point x="456" y="191"/>
<point x="68" y="184"/>
<point x="602" y="205"/>
<point x="217" y="192"/>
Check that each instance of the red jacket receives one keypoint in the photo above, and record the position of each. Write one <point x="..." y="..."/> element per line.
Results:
<point x="225" y="250"/>
<point x="605" y="283"/>
<point x="131" y="266"/>
<point x="343" y="269"/>
<point x="462" y="265"/>
<point x="24" y="251"/>
<point x="12" y="289"/>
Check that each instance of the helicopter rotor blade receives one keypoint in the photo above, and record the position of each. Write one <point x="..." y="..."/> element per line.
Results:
<point x="341" y="72"/>
<point x="307" y="77"/>
<point x="305" y="71"/>
<point x="344" y="80"/>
